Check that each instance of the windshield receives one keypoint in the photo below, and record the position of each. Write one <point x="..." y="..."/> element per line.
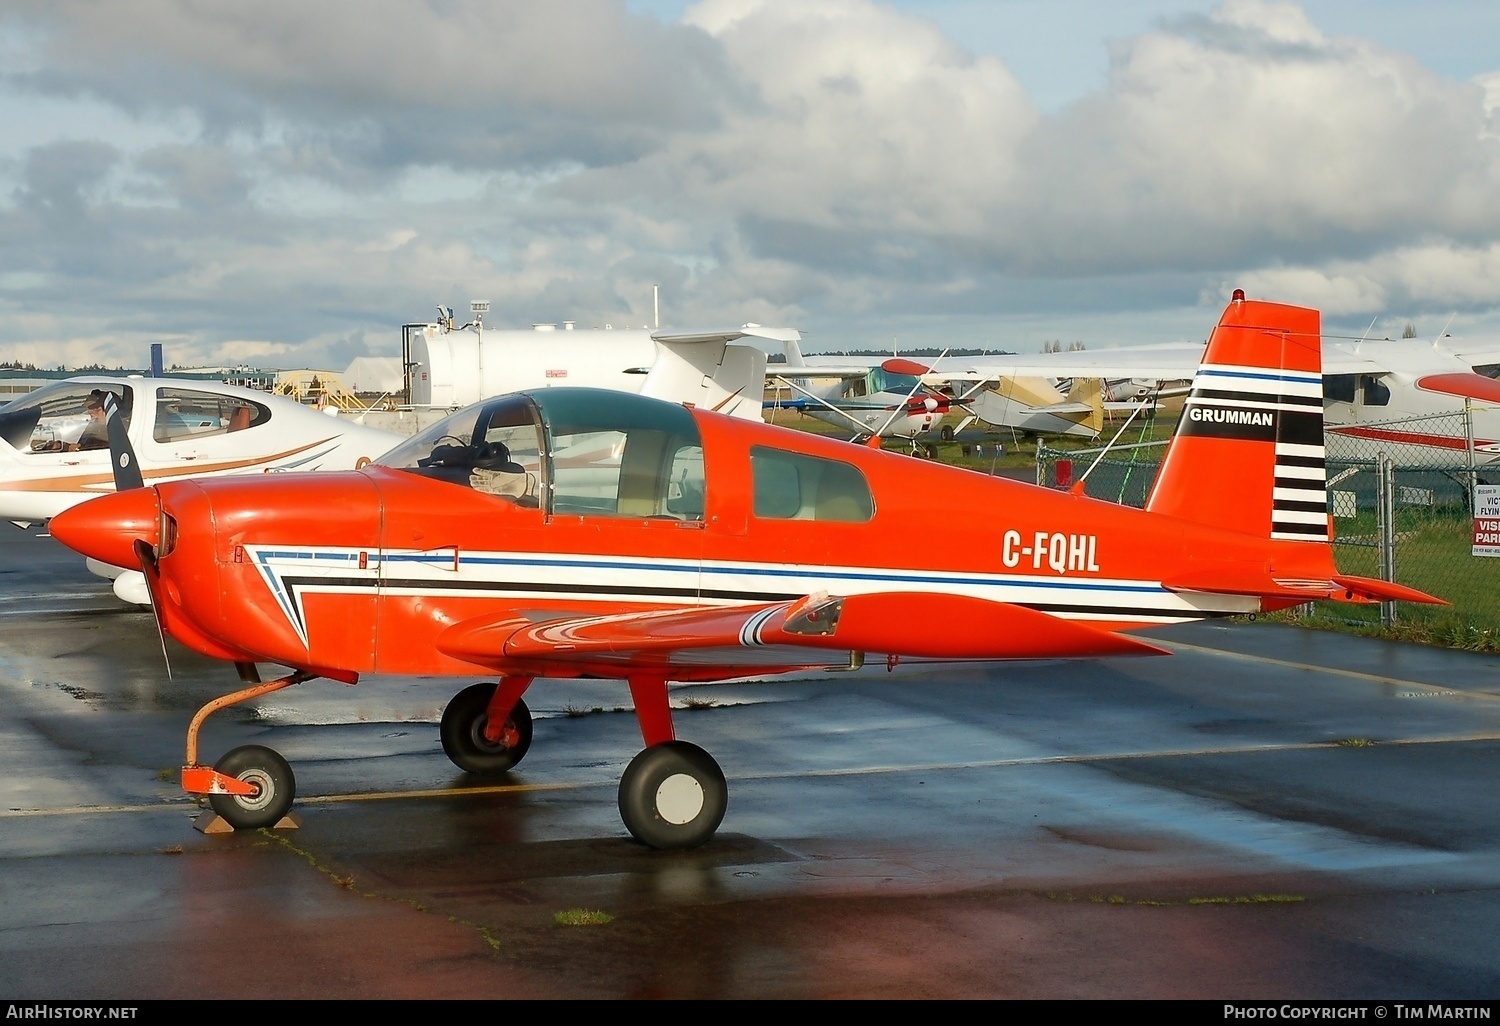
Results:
<point x="492" y="447"/>
<point x="56" y="417"/>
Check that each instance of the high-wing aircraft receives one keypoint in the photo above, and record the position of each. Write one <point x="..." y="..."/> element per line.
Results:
<point x="1368" y="386"/>
<point x="868" y="394"/>
<point x="886" y="398"/>
<point x="178" y="427"/>
<point x="575" y="533"/>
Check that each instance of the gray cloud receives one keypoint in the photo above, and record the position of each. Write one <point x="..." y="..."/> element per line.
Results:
<point x="333" y="170"/>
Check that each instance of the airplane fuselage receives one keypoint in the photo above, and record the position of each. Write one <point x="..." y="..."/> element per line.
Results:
<point x="406" y="557"/>
<point x="179" y="427"/>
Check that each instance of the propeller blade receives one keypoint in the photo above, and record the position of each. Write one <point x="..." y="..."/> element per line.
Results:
<point x="122" y="455"/>
<point x="147" y="556"/>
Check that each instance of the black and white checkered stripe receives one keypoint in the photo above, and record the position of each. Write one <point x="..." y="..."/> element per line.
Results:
<point x="1299" y="501"/>
<point x="1283" y="407"/>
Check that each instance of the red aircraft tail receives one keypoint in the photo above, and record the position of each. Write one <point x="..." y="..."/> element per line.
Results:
<point x="1248" y="452"/>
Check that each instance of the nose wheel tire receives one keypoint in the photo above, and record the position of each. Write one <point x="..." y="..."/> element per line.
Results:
<point x="673" y="795"/>
<point x="272" y="777"/>
<point x="462" y="731"/>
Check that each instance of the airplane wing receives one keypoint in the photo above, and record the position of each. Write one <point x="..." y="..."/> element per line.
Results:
<point x="823" y="367"/>
<point x="899" y="623"/>
<point x="1478" y="354"/>
<point x="1167" y="362"/>
<point x="732" y="335"/>
<point x="1341" y="359"/>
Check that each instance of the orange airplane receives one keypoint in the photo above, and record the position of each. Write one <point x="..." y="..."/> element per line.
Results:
<point x="575" y="533"/>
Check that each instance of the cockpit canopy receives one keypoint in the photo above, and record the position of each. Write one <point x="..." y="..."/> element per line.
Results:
<point x="569" y="450"/>
<point x="56" y="416"/>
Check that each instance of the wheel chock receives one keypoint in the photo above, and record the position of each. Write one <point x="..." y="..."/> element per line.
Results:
<point x="210" y="822"/>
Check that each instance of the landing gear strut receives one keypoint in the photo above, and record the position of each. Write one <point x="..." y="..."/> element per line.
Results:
<point x="251" y="786"/>
<point x="480" y="737"/>
<point x="673" y="795"/>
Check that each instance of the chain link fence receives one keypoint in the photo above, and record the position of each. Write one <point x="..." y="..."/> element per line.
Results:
<point x="1402" y="498"/>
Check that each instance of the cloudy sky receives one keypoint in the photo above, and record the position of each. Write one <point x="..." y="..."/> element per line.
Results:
<point x="284" y="183"/>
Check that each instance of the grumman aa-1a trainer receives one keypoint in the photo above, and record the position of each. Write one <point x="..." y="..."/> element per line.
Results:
<point x="573" y="533"/>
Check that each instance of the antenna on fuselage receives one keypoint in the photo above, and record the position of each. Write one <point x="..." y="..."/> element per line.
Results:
<point x="1444" y="333"/>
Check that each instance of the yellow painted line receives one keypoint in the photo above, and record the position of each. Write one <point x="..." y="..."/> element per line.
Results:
<point x="187" y="805"/>
<point x="1434" y="689"/>
<point x="438" y="792"/>
<point x="1047" y="760"/>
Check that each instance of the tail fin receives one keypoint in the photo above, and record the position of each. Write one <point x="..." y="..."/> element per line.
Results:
<point x="1248" y="452"/>
<point x="792" y="350"/>
<point x="1089" y="392"/>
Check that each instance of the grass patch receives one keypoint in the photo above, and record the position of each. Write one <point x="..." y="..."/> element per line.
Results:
<point x="699" y="702"/>
<point x="581" y="917"/>
<point x="1355" y="742"/>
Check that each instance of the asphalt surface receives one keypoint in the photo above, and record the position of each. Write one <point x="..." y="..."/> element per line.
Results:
<point x="1270" y="813"/>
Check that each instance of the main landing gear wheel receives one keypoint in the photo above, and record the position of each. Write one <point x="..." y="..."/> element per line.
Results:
<point x="673" y="795"/>
<point x="273" y="779"/>
<point x="462" y="731"/>
<point x="946" y="432"/>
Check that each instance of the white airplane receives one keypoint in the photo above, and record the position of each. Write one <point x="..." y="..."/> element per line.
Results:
<point x="456" y="366"/>
<point x="912" y="398"/>
<point x="52" y="456"/>
<point x="883" y="399"/>
<point x="1390" y="394"/>
<point x="1377" y="393"/>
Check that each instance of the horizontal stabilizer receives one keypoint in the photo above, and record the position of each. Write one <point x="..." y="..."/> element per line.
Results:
<point x="1369" y="589"/>
<point x="892" y="623"/>
<point x="1261" y="583"/>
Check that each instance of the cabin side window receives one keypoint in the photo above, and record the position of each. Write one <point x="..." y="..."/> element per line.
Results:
<point x="615" y="454"/>
<point x="185" y="413"/>
<point x="1376" y="391"/>
<point x="791" y="486"/>
<point x="637" y="473"/>
<point x="1339" y="388"/>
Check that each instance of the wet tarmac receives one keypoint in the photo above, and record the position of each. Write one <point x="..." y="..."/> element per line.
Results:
<point x="1270" y="813"/>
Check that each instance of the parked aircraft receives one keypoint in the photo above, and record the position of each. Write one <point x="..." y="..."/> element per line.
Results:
<point x="1368" y="386"/>
<point x="178" y="427"/>
<point x="887" y="399"/>
<point x="592" y="534"/>
<point x="926" y="391"/>
<point x="1377" y="395"/>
